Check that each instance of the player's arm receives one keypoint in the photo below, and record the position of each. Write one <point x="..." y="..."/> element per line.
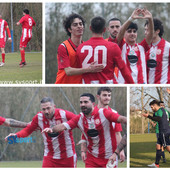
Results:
<point x="8" y="32"/>
<point x="15" y="123"/>
<point x="154" y="118"/>
<point x="93" y="68"/>
<point x="118" y="140"/>
<point x="18" y="23"/>
<point x="148" y="15"/>
<point x="27" y="130"/>
<point x="135" y="15"/>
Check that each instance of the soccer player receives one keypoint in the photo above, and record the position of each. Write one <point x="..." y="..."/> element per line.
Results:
<point x="68" y="70"/>
<point x="133" y="53"/>
<point x="158" y="57"/>
<point x="4" y="27"/>
<point x="162" y="117"/>
<point x="104" y="98"/>
<point x="27" y="23"/>
<point x="102" y="52"/>
<point x="59" y="148"/>
<point x="12" y="123"/>
<point x="96" y="126"/>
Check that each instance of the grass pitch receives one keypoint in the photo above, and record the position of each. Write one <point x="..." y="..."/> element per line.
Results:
<point x="38" y="164"/>
<point x="143" y="151"/>
<point x="11" y="73"/>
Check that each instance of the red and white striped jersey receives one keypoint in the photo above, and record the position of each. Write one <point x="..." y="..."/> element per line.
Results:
<point x="59" y="147"/>
<point x="2" y="120"/>
<point x="3" y="25"/>
<point x="27" y="23"/>
<point x="98" y="131"/>
<point x="135" y="59"/>
<point x="158" y="63"/>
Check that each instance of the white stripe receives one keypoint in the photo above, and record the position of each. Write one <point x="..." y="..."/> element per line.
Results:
<point x="2" y="29"/>
<point x="24" y="34"/>
<point x="106" y="128"/>
<point x="40" y="123"/>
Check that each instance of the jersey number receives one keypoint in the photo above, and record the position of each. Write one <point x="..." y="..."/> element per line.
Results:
<point x="30" y="21"/>
<point x="96" y="55"/>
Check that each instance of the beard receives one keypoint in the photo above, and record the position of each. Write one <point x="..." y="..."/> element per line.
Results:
<point x="86" y="110"/>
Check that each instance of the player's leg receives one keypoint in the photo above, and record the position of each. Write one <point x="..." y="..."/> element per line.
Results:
<point x="3" y="56"/>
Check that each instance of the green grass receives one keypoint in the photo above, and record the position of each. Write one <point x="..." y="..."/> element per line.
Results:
<point x="38" y="164"/>
<point x="143" y="151"/>
<point x="11" y="73"/>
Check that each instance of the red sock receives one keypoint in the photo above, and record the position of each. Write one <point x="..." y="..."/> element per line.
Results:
<point x="3" y="57"/>
<point x="22" y="55"/>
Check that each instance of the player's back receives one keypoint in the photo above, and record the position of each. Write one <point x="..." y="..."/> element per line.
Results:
<point x="102" y="52"/>
<point x="27" y="22"/>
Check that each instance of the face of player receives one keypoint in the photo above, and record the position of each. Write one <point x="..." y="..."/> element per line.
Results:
<point x="77" y="27"/>
<point x="154" y="107"/>
<point x="86" y="105"/>
<point x="104" y="98"/>
<point x="147" y="32"/>
<point x="131" y="36"/>
<point x="48" y="109"/>
<point x="114" y="28"/>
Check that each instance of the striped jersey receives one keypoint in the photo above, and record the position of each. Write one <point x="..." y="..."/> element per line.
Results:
<point x="98" y="131"/>
<point x="27" y="23"/>
<point x="158" y="63"/>
<point x="3" y="25"/>
<point x="59" y="146"/>
<point x="135" y="59"/>
<point x="2" y="120"/>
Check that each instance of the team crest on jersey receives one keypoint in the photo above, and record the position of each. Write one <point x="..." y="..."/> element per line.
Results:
<point x="97" y="121"/>
<point x="131" y="52"/>
<point x="152" y="55"/>
<point x="58" y="122"/>
<point x="158" y="52"/>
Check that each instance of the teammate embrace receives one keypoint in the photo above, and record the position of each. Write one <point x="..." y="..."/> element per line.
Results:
<point x="146" y="62"/>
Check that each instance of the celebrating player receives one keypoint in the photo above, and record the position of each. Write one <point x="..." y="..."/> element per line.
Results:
<point x="96" y="126"/>
<point x="104" y="98"/>
<point x="68" y="71"/>
<point x="59" y="148"/>
<point x="12" y="123"/>
<point x="4" y="26"/>
<point x="133" y="53"/>
<point x="162" y="117"/>
<point x="102" y="52"/>
<point x="158" y="57"/>
<point x="27" y="23"/>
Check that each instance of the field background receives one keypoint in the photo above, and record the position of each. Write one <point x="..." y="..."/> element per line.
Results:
<point x="143" y="151"/>
<point x="11" y="73"/>
<point x="38" y="164"/>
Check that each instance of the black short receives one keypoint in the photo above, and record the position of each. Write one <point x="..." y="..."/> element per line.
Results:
<point x="163" y="139"/>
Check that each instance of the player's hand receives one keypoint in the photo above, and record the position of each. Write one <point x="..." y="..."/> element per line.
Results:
<point x="11" y="134"/>
<point x="47" y="130"/>
<point x="95" y="67"/>
<point x="146" y="14"/>
<point x="122" y="156"/>
<point x="145" y="114"/>
<point x="83" y="156"/>
<point x="112" y="158"/>
<point x="10" y="40"/>
<point x="168" y="90"/>
<point x="137" y="14"/>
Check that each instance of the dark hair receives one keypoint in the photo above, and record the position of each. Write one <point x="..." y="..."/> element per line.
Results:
<point x="69" y="20"/>
<point x="26" y="11"/>
<point x="98" y="24"/>
<point x="103" y="89"/>
<point x="114" y="19"/>
<point x="154" y="102"/>
<point x="47" y="99"/>
<point x="92" y="98"/>
<point x="133" y="26"/>
<point x="157" y="26"/>
<point x="161" y="102"/>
